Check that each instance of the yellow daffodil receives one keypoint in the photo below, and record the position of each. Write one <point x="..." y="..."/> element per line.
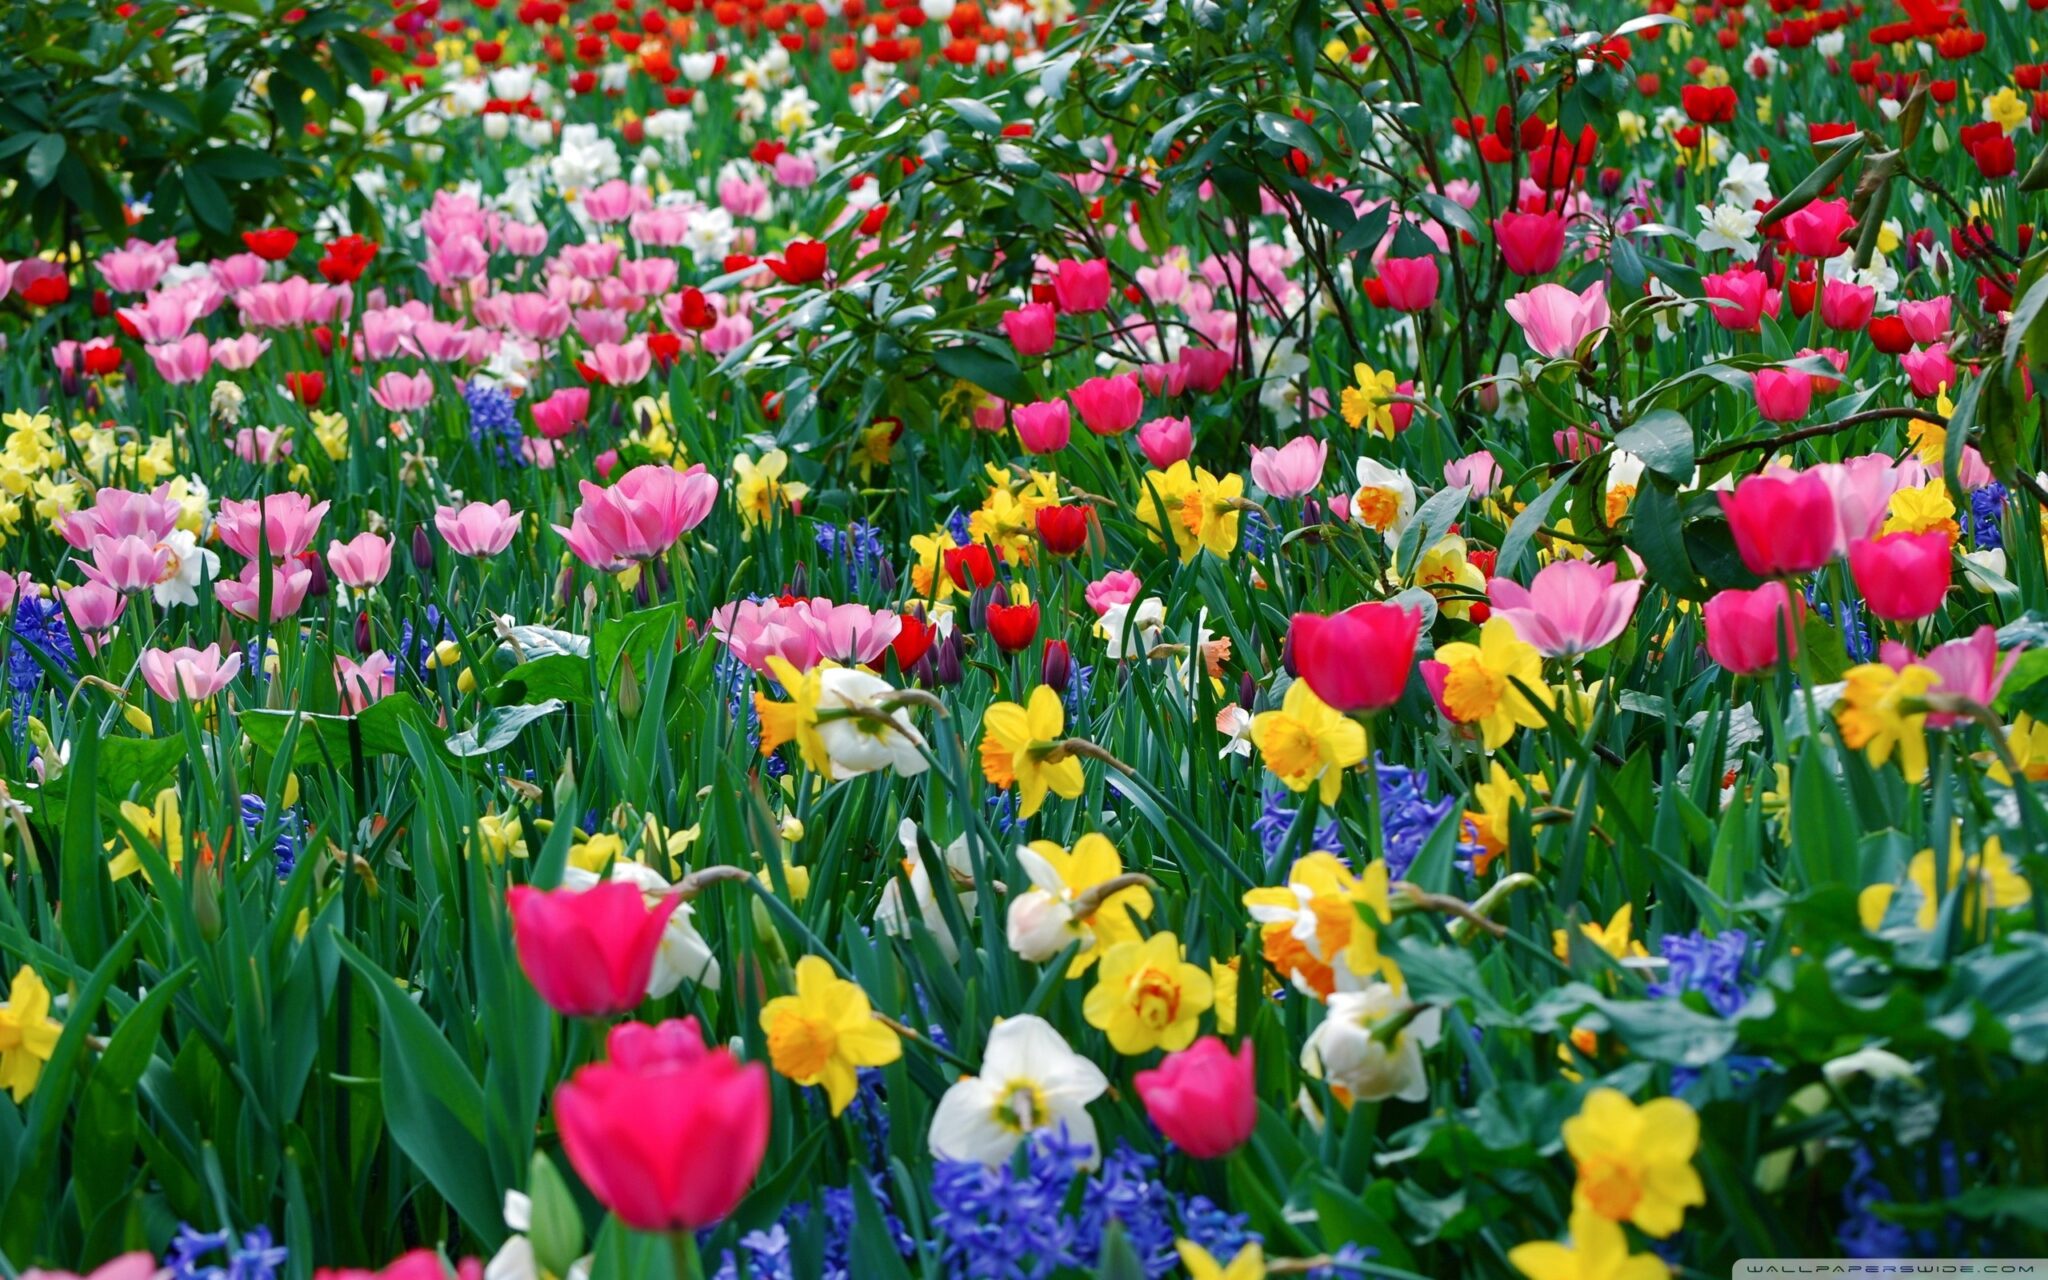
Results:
<point x="759" y="489"/>
<point x="1475" y="683"/>
<point x="928" y="576"/>
<point x="1613" y="937"/>
<point x="1223" y="982"/>
<point x="1993" y="883"/>
<point x="2007" y="108"/>
<point x="500" y="836"/>
<point x="1598" y="1251"/>
<point x="1018" y="748"/>
<point x="1880" y="713"/>
<point x="1921" y="509"/>
<point x="1248" y="1264"/>
<point x="2028" y="740"/>
<point x="1313" y="924"/>
<point x="1043" y="918"/>
<point x="825" y="1031"/>
<point x="1446" y="573"/>
<point x="596" y="852"/>
<point x="1368" y="403"/>
<point x="1147" y="997"/>
<point x="797" y="719"/>
<point x="1308" y="743"/>
<point x="1635" y="1163"/>
<point x="28" y="1035"/>
<point x="1193" y="508"/>
<point x="160" y="825"/>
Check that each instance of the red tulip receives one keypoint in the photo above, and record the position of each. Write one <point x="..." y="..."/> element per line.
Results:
<point x="668" y="1134"/>
<point x="1063" y="530"/>
<point x="802" y="262"/>
<point x="588" y="953"/>
<point x="1013" y="626"/>
<point x="913" y="640"/>
<point x="1531" y="244"/>
<point x="308" y="387"/>
<point x="272" y="244"/>
<point x="969" y="567"/>
<point x="1357" y="660"/>
<point x="1203" y="1098"/>
<point x="1903" y="576"/>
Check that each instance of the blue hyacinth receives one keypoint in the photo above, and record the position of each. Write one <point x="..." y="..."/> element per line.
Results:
<point x="1714" y="968"/>
<point x="494" y="423"/>
<point x="1408" y="817"/>
<point x="1987" y="510"/>
<point x="1276" y="819"/>
<point x="38" y="629"/>
<point x="192" y="1255"/>
<point x="291" y="832"/>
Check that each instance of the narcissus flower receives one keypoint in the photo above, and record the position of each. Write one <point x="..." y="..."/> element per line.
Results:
<point x="1369" y="1045"/>
<point x="28" y="1034"/>
<point x="1988" y="877"/>
<point x="1635" y="1163"/>
<point x="1312" y="929"/>
<point x="1065" y="903"/>
<point x="1882" y="712"/>
<point x="1030" y="1082"/>
<point x="1476" y="684"/>
<point x="825" y="1031"/>
<point x="1369" y="401"/>
<point x="1613" y="937"/>
<point x="1147" y="997"/>
<point x="160" y="826"/>
<point x="1019" y="747"/>
<point x="1249" y="1263"/>
<point x="1309" y="743"/>
<point x="1192" y="508"/>
<point x="1598" y="1251"/>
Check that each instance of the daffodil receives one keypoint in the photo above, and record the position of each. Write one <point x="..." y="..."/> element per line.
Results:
<point x="759" y="489"/>
<point x="1249" y="1263"/>
<point x="1635" y="1163"/>
<point x="1882" y="713"/>
<point x="825" y="1032"/>
<point x="1988" y="877"/>
<point x="1598" y="1251"/>
<point x="1192" y="508"/>
<point x="1494" y="801"/>
<point x="1369" y="402"/>
<point x="1147" y="997"/>
<point x="1064" y="905"/>
<point x="28" y="1035"/>
<point x="1308" y="743"/>
<point x="1476" y="684"/>
<point x="1312" y="930"/>
<point x="160" y="826"/>
<point x="1019" y="748"/>
<point x="1613" y="937"/>
<point x="1031" y="1082"/>
<point x="1921" y="509"/>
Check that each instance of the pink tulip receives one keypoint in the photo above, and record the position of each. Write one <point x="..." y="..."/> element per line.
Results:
<point x="196" y="674"/>
<point x="636" y="1127"/>
<point x="240" y="352"/>
<point x="609" y="202"/>
<point x="477" y="529"/>
<point x="621" y="365"/>
<point x="1784" y="523"/>
<point x="243" y="595"/>
<point x="1411" y="283"/>
<point x="1555" y="320"/>
<point x="1293" y="469"/>
<point x="1903" y="576"/>
<point x="1530" y="243"/>
<point x="537" y="316"/>
<point x="360" y="684"/>
<point x="1817" y="230"/>
<point x="1572" y="607"/>
<point x="640" y="517"/>
<point x="1044" y="427"/>
<point x="562" y="413"/>
<point x="93" y="608"/>
<point x="1164" y="380"/>
<point x="1203" y="1098"/>
<point x="1109" y="406"/>
<point x="134" y="269"/>
<point x="1081" y="286"/>
<point x="129" y="1266"/>
<point x="1845" y="305"/>
<point x="525" y="239"/>
<point x="1969" y="668"/>
<point x="1208" y="368"/>
<point x="756" y="630"/>
<point x="1031" y="328"/>
<point x="184" y="361"/>
<point x="1862" y="488"/>
<point x="1745" y="629"/>
<point x="1736" y="298"/>
<point x="403" y="393"/>
<point x="1783" y="395"/>
<point x="286" y="523"/>
<point x="589" y="952"/>
<point x="1477" y="471"/>
<point x="1166" y="441"/>
<point x="1357" y="659"/>
<point x="128" y="564"/>
<point x="121" y="513"/>
<point x="1118" y="586"/>
<point x="1926" y="322"/>
<point x="362" y="562"/>
<point x="261" y="445"/>
<point x="1929" y="370"/>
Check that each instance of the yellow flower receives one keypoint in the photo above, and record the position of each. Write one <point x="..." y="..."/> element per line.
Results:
<point x="1223" y="983"/>
<point x="1314" y="921"/>
<point x="874" y="447"/>
<point x="1443" y="570"/>
<point x="1307" y="742"/>
<point x="1994" y="884"/>
<point x="330" y="430"/>
<point x="928" y="576"/>
<point x="1248" y="1264"/>
<point x="1877" y="714"/>
<point x="1598" y="1251"/>
<point x="1635" y="1163"/>
<point x="1369" y="401"/>
<point x="825" y="1031"/>
<point x="1193" y="508"/>
<point x="597" y="852"/>
<point x="1918" y="510"/>
<point x="2007" y="108"/>
<point x="1147" y="997"/>
<point x="1017" y="747"/>
<point x="28" y="1035"/>
<point x="796" y="719"/>
<point x="1496" y="799"/>
<point x="759" y="487"/>
<point x="500" y="836"/>
<point x="1613" y="937"/>
<point x="160" y="826"/>
<point x="1092" y="861"/>
<point x="1475" y="683"/>
<point x="1007" y="523"/>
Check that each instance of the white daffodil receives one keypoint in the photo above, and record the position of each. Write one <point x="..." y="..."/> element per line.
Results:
<point x="1345" y="1051"/>
<point x="515" y="1258"/>
<point x="1384" y="500"/>
<point x="1132" y="629"/>
<point x="1729" y="226"/>
<point x="191" y="564"/>
<point x="1747" y="181"/>
<point x="865" y="743"/>
<point x="683" y="956"/>
<point x="890" y="914"/>
<point x="1030" y="1081"/>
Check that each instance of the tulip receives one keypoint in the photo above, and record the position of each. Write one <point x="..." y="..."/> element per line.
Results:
<point x="360" y="563"/>
<point x="668" y="1134"/>
<point x="184" y="361"/>
<point x="969" y="567"/>
<point x="1291" y="470"/>
<point x="196" y="674"/>
<point x="129" y="564"/>
<point x="1063" y="529"/>
<point x="1926" y="322"/>
<point x="589" y="953"/>
<point x="1817" y="230"/>
<point x="1572" y="607"/>
<point x="1846" y="306"/>
<point x="1081" y="286"/>
<point x="1746" y="629"/>
<point x="1056" y="666"/>
<point x="1736" y="298"/>
<point x="403" y="393"/>
<point x="1044" y="427"/>
<point x="1118" y="586"/>
<point x="1969" y="668"/>
<point x="1477" y="471"/>
<point x="1531" y="244"/>
<point x="1166" y="441"/>
<point x="1555" y="321"/>
<point x="1903" y="576"/>
<point x="1929" y="371"/>
<point x="243" y="595"/>
<point x="1783" y="395"/>
<point x="1109" y="406"/>
<point x="1784" y="524"/>
<point x="1208" y="368"/>
<point x="477" y="529"/>
<point x="562" y="413"/>
<point x="640" y="517"/>
<point x="1359" y="659"/>
<point x="1203" y="1098"/>
<point x="1013" y="626"/>
<point x="283" y="523"/>
<point x="360" y="684"/>
<point x="129" y="1266"/>
<point x="1411" y="283"/>
<point x="1862" y="488"/>
<point x="1031" y="328"/>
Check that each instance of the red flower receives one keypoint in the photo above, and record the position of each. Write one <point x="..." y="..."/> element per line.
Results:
<point x="969" y="567"/>
<point x="1203" y="1098"/>
<point x="913" y="640"/>
<point x="696" y="312"/>
<point x="589" y="953"/>
<point x="41" y="283"/>
<point x="1708" y="106"/>
<point x="802" y="261"/>
<point x="346" y="259"/>
<point x="1357" y="660"/>
<point x="272" y="244"/>
<point x="308" y="387"/>
<point x="1063" y="530"/>
<point x="1013" y="626"/>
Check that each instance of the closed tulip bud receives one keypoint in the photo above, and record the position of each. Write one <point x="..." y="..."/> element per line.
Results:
<point x="365" y="639"/>
<point x="977" y="609"/>
<point x="663" y="580"/>
<point x="318" y="587"/>
<point x="1247" y="691"/>
<point x="799" y="582"/>
<point x="422" y="549"/>
<point x="1056" y="667"/>
<point x="885" y="577"/>
<point x="947" y="666"/>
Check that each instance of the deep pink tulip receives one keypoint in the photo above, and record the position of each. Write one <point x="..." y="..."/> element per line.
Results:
<point x="1081" y="286"/>
<point x="1166" y="441"/>
<point x="1745" y="628"/>
<point x="1531" y="244"/>
<point x="1571" y="607"/>
<point x="668" y="1134"/>
<point x="562" y="413"/>
<point x="1929" y="370"/>
<point x="1817" y="230"/>
<point x="1926" y="322"/>
<point x="1846" y="306"/>
<point x="1359" y="659"/>
<point x="1736" y="298"/>
<point x="1032" y="328"/>
<point x="1783" y="395"/>
<point x="129" y="1266"/>
<point x="1208" y="368"/>
<point x="1204" y="1098"/>
<point x="1903" y="576"/>
<point x="589" y="952"/>
<point x="1043" y="427"/>
<point x="1784" y="523"/>
<point x="1411" y="283"/>
<point x="1109" y="406"/>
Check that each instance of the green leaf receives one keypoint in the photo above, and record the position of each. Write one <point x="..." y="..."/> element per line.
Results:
<point x="1662" y="438"/>
<point x="1809" y="188"/>
<point x="976" y="115"/>
<point x="985" y="369"/>
<point x="1290" y="132"/>
<point x="499" y="728"/>
<point x="44" y="156"/>
<point x="1527" y="521"/>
